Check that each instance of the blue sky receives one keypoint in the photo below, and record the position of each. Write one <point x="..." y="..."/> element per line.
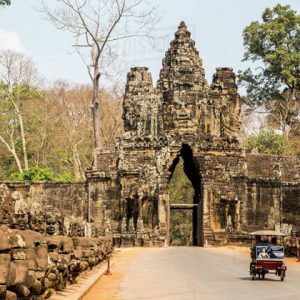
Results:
<point x="216" y="26"/>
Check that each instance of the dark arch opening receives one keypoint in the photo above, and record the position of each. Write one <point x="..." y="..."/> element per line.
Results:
<point x="190" y="207"/>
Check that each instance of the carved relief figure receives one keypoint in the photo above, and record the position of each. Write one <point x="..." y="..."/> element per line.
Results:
<point x="52" y="216"/>
<point x="36" y="218"/>
<point x="21" y="217"/>
<point x="6" y="206"/>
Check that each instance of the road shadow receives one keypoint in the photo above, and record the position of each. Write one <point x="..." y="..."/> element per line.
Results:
<point x="259" y="279"/>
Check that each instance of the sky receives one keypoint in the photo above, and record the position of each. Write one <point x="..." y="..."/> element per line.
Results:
<point x="215" y="25"/>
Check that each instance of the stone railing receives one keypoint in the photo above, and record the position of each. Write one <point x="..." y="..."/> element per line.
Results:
<point x="33" y="265"/>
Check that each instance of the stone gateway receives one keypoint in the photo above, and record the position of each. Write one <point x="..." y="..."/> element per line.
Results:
<point x="183" y="117"/>
<point x="50" y="233"/>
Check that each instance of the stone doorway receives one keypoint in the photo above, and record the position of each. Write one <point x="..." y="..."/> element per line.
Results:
<point x="185" y="207"/>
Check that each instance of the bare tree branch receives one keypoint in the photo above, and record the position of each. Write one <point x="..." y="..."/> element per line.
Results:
<point x="18" y="73"/>
<point x="97" y="26"/>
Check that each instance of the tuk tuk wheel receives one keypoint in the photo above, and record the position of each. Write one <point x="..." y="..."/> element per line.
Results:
<point x="282" y="275"/>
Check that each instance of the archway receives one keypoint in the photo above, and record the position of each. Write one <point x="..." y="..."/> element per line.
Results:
<point x="185" y="215"/>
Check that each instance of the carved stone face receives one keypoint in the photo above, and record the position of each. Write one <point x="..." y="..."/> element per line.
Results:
<point x="37" y="223"/>
<point x="5" y="214"/>
<point x="183" y="110"/>
<point x="4" y="192"/>
<point x="20" y="220"/>
<point x="52" y="225"/>
<point x="36" y="218"/>
<point x="180" y="113"/>
<point x="52" y="216"/>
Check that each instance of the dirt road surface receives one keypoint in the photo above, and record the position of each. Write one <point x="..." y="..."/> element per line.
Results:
<point x="186" y="273"/>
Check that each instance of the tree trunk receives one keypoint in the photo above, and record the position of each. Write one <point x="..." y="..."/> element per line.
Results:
<point x="12" y="150"/>
<point x="78" y="173"/>
<point x="21" y="123"/>
<point x="24" y="147"/>
<point x="96" y="110"/>
<point x="20" y="169"/>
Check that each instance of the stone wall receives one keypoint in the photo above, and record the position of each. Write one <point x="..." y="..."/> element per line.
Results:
<point x="33" y="265"/>
<point x="47" y="238"/>
<point x="291" y="205"/>
<point x="70" y="198"/>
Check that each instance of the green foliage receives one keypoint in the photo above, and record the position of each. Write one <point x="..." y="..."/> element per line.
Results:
<point x="181" y="227"/>
<point x="4" y="2"/>
<point x="66" y="176"/>
<point x="274" y="44"/>
<point x="57" y="122"/>
<point x="39" y="174"/>
<point x="268" y="142"/>
<point x="181" y="191"/>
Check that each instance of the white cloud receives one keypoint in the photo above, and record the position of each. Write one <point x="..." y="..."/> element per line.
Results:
<point x="11" y="40"/>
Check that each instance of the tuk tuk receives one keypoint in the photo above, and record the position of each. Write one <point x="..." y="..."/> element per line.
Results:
<point x="267" y="254"/>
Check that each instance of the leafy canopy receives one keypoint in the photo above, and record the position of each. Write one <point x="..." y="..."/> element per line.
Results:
<point x="274" y="46"/>
<point x="39" y="174"/>
<point x="267" y="142"/>
<point x="4" y="2"/>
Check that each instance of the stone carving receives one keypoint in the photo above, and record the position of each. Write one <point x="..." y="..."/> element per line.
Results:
<point x="183" y="117"/>
<point x="41" y="250"/>
<point x="36" y="218"/>
<point x="106" y="222"/>
<point x="131" y="225"/>
<point x="140" y="104"/>
<point x="181" y="83"/>
<point x="52" y="219"/>
<point x="227" y="104"/>
<point x="88" y="229"/>
<point x="21" y="212"/>
<point x="6" y="212"/>
<point x="179" y="115"/>
<point x="36" y="262"/>
<point x="123" y="226"/>
<point x="32" y="264"/>
<point x="140" y="225"/>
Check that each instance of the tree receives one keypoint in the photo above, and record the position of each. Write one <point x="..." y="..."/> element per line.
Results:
<point x="63" y="139"/>
<point x="111" y="126"/>
<point x="273" y="45"/>
<point x="71" y="105"/>
<point x="4" y="2"/>
<point x="284" y="114"/>
<point x="18" y="82"/>
<point x="97" y="26"/>
<point x="267" y="142"/>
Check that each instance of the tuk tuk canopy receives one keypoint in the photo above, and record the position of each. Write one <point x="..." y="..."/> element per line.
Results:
<point x="266" y="233"/>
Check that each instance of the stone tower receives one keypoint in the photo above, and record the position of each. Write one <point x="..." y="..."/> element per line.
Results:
<point x="140" y="104"/>
<point x="183" y="118"/>
<point x="182" y="84"/>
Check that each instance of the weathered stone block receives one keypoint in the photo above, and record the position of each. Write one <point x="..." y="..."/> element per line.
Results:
<point x="4" y="268"/>
<point x="21" y="271"/>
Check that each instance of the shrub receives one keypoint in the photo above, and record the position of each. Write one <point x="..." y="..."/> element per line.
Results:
<point x="268" y="142"/>
<point x="39" y="174"/>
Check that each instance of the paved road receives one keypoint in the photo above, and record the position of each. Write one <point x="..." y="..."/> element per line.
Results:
<point x="201" y="273"/>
